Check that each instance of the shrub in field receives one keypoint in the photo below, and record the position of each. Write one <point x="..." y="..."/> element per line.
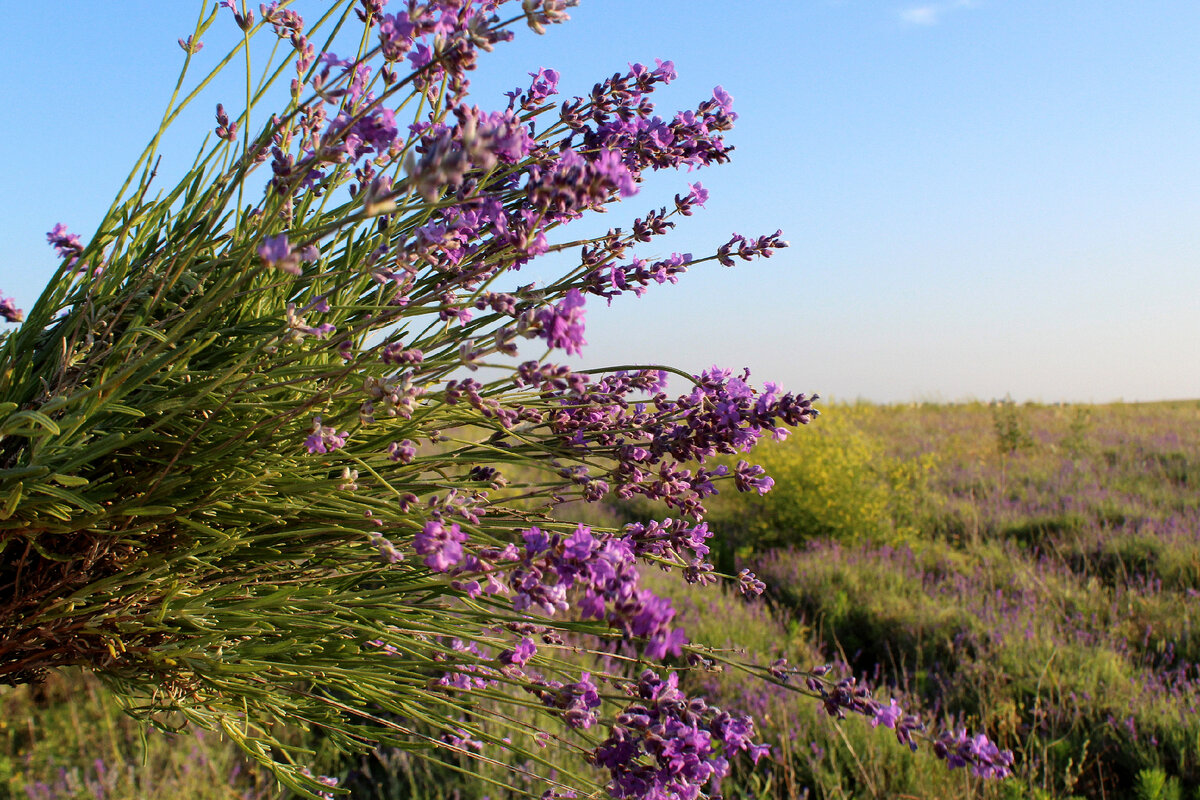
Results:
<point x="272" y="457"/>
<point x="835" y="482"/>
<point x="1153" y="784"/>
<point x="1012" y="429"/>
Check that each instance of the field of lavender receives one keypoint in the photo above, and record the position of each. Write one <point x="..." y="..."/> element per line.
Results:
<point x="1023" y="570"/>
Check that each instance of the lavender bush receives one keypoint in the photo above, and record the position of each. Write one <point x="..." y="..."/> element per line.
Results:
<point x="272" y="455"/>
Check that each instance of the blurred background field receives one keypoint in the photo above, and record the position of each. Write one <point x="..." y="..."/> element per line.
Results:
<point x="1026" y="570"/>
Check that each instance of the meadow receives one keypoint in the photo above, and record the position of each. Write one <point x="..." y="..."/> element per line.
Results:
<point x="1023" y="570"/>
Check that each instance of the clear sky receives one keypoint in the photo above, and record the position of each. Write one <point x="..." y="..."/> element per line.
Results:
<point x="983" y="197"/>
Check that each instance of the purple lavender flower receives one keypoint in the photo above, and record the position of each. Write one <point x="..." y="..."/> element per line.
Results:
<point x="287" y="23"/>
<point x="191" y="45"/>
<point x="377" y="129"/>
<point x="396" y="36"/>
<point x="520" y="655"/>
<point x="749" y="584"/>
<point x="574" y="182"/>
<point x="276" y="252"/>
<point x="578" y="702"/>
<point x="763" y="246"/>
<point x="724" y="99"/>
<point x="696" y="196"/>
<point x="562" y="326"/>
<point x="545" y="84"/>
<point x="579" y="545"/>
<point x="977" y="752"/>
<point x="227" y="130"/>
<point x="9" y="310"/>
<point x="666" y="745"/>
<point x="324" y="439"/>
<point x="536" y="542"/>
<point x="441" y="545"/>
<point x="887" y="716"/>
<point x="748" y="477"/>
<point x="387" y="551"/>
<point x="68" y="245"/>
<point x="245" y="22"/>
<point x="404" y="451"/>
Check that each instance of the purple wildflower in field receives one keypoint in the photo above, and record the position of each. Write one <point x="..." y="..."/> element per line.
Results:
<point x="666" y="745"/>
<point x="520" y="655"/>
<point x="404" y="451"/>
<point x="888" y="715"/>
<point x="748" y="477"/>
<point x="749" y="584"/>
<point x="428" y="217"/>
<point x="441" y="545"/>
<point x="9" y="310"/>
<point x="387" y="550"/>
<point x="562" y="326"/>
<point x="977" y="752"/>
<point x="67" y="245"/>
<point x="544" y="85"/>
<point x="892" y="716"/>
<point x="696" y="196"/>
<point x="191" y="45"/>
<point x="324" y="439"/>
<point x="603" y="569"/>
<point x="845" y="695"/>
<point x="276" y="252"/>
<point x="226" y="129"/>
<point x="577" y="701"/>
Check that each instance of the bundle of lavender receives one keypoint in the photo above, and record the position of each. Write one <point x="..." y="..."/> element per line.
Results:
<point x="270" y="454"/>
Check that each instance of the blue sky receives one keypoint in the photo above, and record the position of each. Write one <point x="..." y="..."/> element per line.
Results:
<point x="983" y="197"/>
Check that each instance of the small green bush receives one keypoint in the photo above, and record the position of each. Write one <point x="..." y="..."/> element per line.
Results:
<point x="1154" y="784"/>
<point x="835" y="482"/>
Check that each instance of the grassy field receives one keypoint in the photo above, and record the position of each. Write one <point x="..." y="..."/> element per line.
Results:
<point x="1029" y="571"/>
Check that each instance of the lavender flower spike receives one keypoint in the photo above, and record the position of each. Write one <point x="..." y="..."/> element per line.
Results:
<point x="191" y="45"/>
<point x="276" y="252"/>
<point x="9" y="310"/>
<point x="977" y="752"/>
<point x="562" y="326"/>
<point x="324" y="439"/>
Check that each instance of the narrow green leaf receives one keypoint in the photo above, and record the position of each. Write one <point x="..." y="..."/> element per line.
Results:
<point x="10" y="503"/>
<point x="151" y="332"/>
<point x="147" y="511"/>
<point x="32" y="471"/>
<point x="13" y="421"/>
<point x="123" y="409"/>
<point x="69" y="480"/>
<point x="71" y="497"/>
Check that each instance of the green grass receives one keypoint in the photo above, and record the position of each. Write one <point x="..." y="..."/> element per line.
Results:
<point x="1083" y="546"/>
<point x="68" y="738"/>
